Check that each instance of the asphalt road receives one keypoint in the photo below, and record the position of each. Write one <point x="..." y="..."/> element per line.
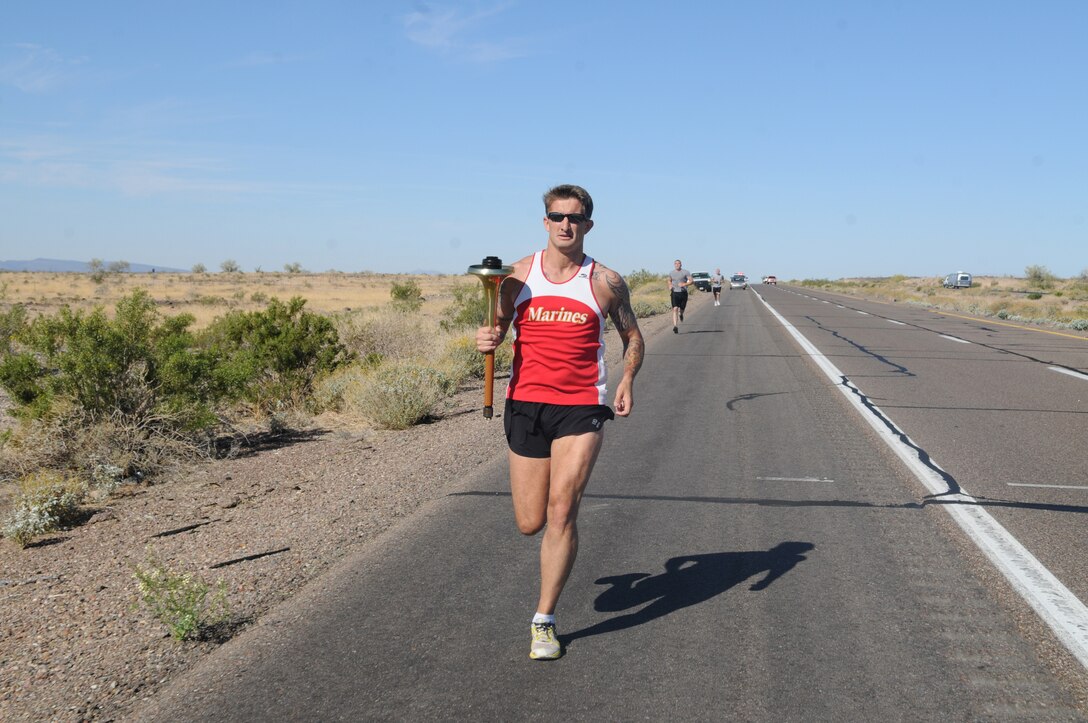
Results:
<point x="750" y="550"/>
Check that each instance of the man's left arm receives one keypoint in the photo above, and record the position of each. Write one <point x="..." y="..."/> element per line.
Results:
<point x="623" y="318"/>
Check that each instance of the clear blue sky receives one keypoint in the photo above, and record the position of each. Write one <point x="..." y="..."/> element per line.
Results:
<point x="804" y="139"/>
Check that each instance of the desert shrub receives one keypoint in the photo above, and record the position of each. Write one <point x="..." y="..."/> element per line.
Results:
<point x="384" y="336"/>
<point x="199" y="269"/>
<point x="340" y="389"/>
<point x="406" y="296"/>
<point x="87" y="357"/>
<point x="463" y="361"/>
<point x="272" y="357"/>
<point x="137" y="390"/>
<point x="47" y="501"/>
<point x="1035" y="295"/>
<point x="642" y="277"/>
<point x="230" y="266"/>
<point x="645" y="307"/>
<point x="1079" y="324"/>
<point x="468" y="310"/>
<point x="12" y="322"/>
<point x="1039" y="276"/>
<point x="180" y="600"/>
<point x="401" y="395"/>
<point x="258" y="297"/>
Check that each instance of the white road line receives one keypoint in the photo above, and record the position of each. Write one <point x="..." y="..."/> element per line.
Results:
<point x="1058" y="607"/>
<point x="863" y="313"/>
<point x="901" y="323"/>
<point x="1053" y="487"/>
<point x="1070" y="372"/>
<point x="796" y="479"/>
<point x="952" y="338"/>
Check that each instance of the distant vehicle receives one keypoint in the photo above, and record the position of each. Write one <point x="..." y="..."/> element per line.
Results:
<point x="701" y="279"/>
<point x="770" y="280"/>
<point x="738" y="281"/>
<point x="958" y="280"/>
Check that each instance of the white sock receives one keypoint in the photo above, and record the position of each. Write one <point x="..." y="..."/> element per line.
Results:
<point x="542" y="618"/>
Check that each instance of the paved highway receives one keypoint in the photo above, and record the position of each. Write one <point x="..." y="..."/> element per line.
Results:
<point x="1003" y="408"/>
<point x="752" y="549"/>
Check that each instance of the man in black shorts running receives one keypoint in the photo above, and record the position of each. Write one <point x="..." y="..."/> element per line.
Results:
<point x="555" y="304"/>
<point x="679" y="281"/>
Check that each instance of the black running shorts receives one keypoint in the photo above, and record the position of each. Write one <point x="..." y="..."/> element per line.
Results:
<point x="680" y="299"/>
<point x="531" y="426"/>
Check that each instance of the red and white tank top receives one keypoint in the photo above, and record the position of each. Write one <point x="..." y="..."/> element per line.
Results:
<point x="558" y="332"/>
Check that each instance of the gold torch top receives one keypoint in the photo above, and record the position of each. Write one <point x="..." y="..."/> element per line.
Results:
<point x="490" y="266"/>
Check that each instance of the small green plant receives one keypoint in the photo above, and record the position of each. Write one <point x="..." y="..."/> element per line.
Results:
<point x="12" y="322"/>
<point x="180" y="600"/>
<point x="47" y="502"/>
<point x="1035" y="295"/>
<point x="407" y="296"/>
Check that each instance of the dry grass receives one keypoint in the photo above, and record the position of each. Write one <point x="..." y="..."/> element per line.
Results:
<point x="207" y="296"/>
<point x="1064" y="303"/>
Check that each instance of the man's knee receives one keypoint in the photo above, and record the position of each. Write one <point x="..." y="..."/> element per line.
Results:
<point x="530" y="521"/>
<point x="529" y="527"/>
<point x="562" y="513"/>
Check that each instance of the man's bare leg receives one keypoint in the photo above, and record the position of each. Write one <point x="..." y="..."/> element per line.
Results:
<point x="546" y="494"/>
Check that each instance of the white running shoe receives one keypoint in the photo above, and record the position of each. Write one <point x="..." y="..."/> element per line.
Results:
<point x="545" y="643"/>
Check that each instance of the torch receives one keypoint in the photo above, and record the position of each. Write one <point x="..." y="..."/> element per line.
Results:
<point x="490" y="272"/>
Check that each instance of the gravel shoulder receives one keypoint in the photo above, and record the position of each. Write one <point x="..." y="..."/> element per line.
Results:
<point x="75" y="644"/>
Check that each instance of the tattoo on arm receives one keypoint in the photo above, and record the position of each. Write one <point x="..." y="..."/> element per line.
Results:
<point x="633" y="352"/>
<point x="622" y="315"/>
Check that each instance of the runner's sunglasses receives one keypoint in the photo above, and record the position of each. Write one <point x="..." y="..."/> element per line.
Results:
<point x="575" y="218"/>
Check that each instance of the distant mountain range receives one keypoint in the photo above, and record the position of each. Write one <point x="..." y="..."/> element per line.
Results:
<point x="63" y="265"/>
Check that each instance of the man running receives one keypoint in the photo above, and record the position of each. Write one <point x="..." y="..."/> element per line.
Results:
<point x="679" y="280"/>
<point x="716" y="286"/>
<point x="555" y="303"/>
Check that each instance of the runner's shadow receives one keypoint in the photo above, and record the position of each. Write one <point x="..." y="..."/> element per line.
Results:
<point x="687" y="580"/>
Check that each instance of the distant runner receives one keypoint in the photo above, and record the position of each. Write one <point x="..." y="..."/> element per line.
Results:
<point x="679" y="280"/>
<point x="716" y="286"/>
